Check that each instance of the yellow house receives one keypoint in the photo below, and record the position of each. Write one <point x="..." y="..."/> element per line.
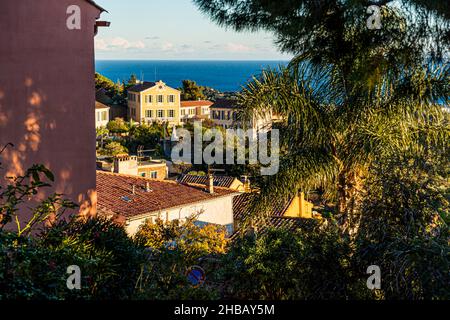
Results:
<point x="294" y="208"/>
<point x="299" y="208"/>
<point x="150" y="102"/>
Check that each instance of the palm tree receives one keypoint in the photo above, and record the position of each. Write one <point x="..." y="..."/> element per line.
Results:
<point x="332" y="130"/>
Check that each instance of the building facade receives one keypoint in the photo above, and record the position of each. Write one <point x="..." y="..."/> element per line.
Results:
<point x="281" y="211"/>
<point x="150" y="102"/>
<point x="152" y="169"/>
<point x="102" y="112"/>
<point x="132" y="165"/>
<point x="225" y="113"/>
<point x="47" y="93"/>
<point x="195" y="110"/>
<point x="135" y="200"/>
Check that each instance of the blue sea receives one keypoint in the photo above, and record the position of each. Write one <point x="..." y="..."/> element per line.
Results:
<point x="224" y="76"/>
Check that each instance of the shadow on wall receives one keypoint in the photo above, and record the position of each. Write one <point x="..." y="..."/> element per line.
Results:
<point x="42" y="136"/>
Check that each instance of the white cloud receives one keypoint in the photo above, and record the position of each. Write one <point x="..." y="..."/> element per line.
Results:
<point x="237" y="47"/>
<point x="100" y="44"/>
<point x="167" y="46"/>
<point x="117" y="43"/>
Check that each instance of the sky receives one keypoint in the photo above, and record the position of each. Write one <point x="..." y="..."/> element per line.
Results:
<point x="174" y="30"/>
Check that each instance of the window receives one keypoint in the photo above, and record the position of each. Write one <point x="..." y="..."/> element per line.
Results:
<point x="154" y="174"/>
<point x="206" y="110"/>
<point x="183" y="112"/>
<point x="133" y="112"/>
<point x="222" y="115"/>
<point x="104" y="115"/>
<point x="148" y="99"/>
<point x="139" y="98"/>
<point x="143" y="175"/>
<point x="171" y="98"/>
<point x="149" y="113"/>
<point x="160" y="98"/>
<point x="160" y="114"/>
<point x="171" y="114"/>
<point x="191" y="111"/>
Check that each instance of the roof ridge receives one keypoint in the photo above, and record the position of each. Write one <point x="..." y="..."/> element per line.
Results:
<point x="135" y="177"/>
<point x="202" y="185"/>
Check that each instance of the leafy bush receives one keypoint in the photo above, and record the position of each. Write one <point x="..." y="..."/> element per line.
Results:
<point x="118" y="126"/>
<point x="176" y="246"/>
<point x="113" y="149"/>
<point x="36" y="268"/>
<point x="404" y="225"/>
<point x="281" y="264"/>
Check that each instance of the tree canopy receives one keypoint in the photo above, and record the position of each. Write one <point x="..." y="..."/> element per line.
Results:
<point x="191" y="91"/>
<point x="335" y="31"/>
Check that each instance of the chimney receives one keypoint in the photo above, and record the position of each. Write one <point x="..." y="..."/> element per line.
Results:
<point x="247" y="187"/>
<point x="133" y="190"/>
<point x="147" y="187"/>
<point x="210" y="184"/>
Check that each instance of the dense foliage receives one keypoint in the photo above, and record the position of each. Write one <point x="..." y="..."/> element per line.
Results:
<point x="191" y="91"/>
<point x="307" y="263"/>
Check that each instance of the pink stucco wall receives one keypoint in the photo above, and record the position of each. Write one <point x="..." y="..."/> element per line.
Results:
<point x="47" y="93"/>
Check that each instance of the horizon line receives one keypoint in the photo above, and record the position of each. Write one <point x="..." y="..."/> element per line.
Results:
<point x="228" y="60"/>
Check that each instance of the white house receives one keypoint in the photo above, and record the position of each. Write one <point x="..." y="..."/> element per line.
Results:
<point x="135" y="199"/>
<point x="101" y="114"/>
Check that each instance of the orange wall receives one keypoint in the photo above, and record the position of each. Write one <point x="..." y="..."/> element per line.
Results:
<point x="47" y="93"/>
<point x="299" y="208"/>
<point x="161" y="172"/>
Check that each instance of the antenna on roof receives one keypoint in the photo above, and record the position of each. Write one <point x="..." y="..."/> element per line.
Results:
<point x="142" y="77"/>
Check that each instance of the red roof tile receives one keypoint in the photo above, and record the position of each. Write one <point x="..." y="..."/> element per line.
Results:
<point x="219" y="181"/>
<point x="115" y="194"/>
<point x="243" y="202"/>
<point x="196" y="103"/>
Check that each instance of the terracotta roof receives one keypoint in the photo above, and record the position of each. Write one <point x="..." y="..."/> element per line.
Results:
<point x="115" y="194"/>
<point x="225" y="104"/>
<point x="289" y="223"/>
<point x="196" y="103"/>
<point x="243" y="202"/>
<point x="219" y="181"/>
<point x="99" y="105"/>
<point x="142" y="86"/>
